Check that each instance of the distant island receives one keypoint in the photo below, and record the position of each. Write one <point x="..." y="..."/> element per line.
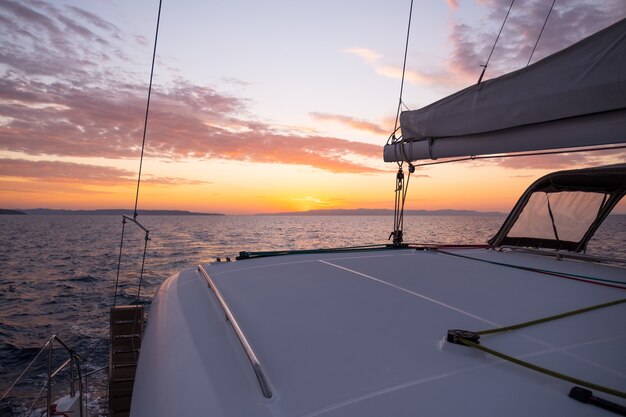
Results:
<point x="116" y="212"/>
<point x="384" y="212"/>
<point x="7" y="211"/>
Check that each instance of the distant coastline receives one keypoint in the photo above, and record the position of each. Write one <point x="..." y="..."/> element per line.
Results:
<point x="327" y="212"/>
<point x="7" y="211"/>
<point x="384" y="212"/>
<point x="117" y="212"/>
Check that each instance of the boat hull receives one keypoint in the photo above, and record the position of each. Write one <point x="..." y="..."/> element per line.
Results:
<point x="364" y="334"/>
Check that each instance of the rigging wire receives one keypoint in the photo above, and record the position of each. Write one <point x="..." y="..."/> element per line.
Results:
<point x="406" y="50"/>
<point x="540" y="33"/>
<point x="472" y="158"/>
<point x="143" y="145"/>
<point x="145" y="124"/>
<point x="401" y="188"/>
<point x="398" y="211"/>
<point x="495" y="43"/>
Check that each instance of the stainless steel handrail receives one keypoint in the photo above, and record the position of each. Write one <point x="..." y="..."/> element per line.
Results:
<point x="72" y="361"/>
<point x="254" y="361"/>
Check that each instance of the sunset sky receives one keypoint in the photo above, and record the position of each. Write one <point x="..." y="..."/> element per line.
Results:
<point x="258" y="106"/>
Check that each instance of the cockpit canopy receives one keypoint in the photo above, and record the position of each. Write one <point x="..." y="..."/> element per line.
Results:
<point x="564" y="209"/>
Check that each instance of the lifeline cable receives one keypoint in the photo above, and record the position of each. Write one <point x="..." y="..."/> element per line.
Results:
<point x="119" y="262"/>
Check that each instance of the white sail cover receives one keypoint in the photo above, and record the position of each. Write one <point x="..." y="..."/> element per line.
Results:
<point x="576" y="97"/>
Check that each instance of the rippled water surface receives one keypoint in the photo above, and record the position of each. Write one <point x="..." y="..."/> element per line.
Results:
<point x="57" y="273"/>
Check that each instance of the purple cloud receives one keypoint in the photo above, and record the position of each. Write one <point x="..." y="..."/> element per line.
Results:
<point x="62" y="94"/>
<point x="186" y="121"/>
<point x="351" y="122"/>
<point x="70" y="172"/>
<point x="562" y="161"/>
<point x="62" y="171"/>
<point x="568" y="23"/>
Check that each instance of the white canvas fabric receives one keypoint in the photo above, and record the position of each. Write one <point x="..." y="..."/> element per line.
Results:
<point x="576" y="97"/>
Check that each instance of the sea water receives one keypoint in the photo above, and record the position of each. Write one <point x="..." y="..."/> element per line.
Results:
<point x="58" y="273"/>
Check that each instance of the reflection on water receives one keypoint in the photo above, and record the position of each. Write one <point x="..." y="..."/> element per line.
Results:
<point x="57" y="273"/>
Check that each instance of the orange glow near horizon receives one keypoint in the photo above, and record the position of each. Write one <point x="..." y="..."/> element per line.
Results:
<point x="257" y="131"/>
<point x="268" y="189"/>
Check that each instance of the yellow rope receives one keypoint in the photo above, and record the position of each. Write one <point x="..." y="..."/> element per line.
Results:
<point x="546" y="371"/>
<point x="550" y="318"/>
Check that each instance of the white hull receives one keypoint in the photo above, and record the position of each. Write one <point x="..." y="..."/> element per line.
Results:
<point x="363" y="334"/>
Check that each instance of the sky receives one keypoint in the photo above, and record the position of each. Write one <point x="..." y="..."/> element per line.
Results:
<point x="258" y="107"/>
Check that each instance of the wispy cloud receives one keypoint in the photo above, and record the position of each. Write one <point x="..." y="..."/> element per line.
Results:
<point x="351" y="122"/>
<point x="366" y="54"/>
<point x="186" y="121"/>
<point x="62" y="171"/>
<point x="417" y="77"/>
<point x="85" y="174"/>
<point x="413" y="75"/>
<point x="62" y="94"/>
<point x="313" y="201"/>
<point x="563" y="161"/>
<point x="470" y="44"/>
<point x="568" y="23"/>
<point x="41" y="39"/>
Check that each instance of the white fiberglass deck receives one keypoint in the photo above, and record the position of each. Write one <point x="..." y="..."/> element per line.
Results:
<point x="363" y="334"/>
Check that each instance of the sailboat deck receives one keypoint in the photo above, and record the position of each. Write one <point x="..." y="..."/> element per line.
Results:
<point x="363" y="334"/>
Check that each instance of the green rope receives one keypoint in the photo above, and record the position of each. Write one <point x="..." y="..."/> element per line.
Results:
<point x="551" y="318"/>
<point x="376" y="247"/>
<point x="545" y="371"/>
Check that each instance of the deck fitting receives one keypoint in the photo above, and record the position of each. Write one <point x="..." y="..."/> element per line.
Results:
<point x="456" y="336"/>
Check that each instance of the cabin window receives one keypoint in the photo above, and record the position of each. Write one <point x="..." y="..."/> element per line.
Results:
<point x="564" y="216"/>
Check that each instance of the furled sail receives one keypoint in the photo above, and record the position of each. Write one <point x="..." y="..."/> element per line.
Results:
<point x="576" y="97"/>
